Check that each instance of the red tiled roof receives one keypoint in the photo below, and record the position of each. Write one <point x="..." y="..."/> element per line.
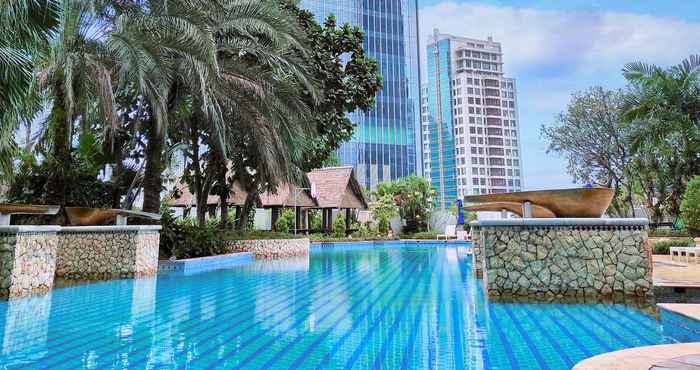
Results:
<point x="334" y="186"/>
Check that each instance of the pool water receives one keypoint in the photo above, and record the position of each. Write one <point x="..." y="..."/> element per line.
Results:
<point x="410" y="307"/>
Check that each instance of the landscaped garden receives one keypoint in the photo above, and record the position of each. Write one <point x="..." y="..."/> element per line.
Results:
<point x="141" y="142"/>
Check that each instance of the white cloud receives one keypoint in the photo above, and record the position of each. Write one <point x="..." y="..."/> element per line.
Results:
<point x="589" y="42"/>
<point x="552" y="54"/>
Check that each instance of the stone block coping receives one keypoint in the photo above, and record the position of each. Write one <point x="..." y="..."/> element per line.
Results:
<point x="689" y="310"/>
<point x="563" y="222"/>
<point x="13" y="229"/>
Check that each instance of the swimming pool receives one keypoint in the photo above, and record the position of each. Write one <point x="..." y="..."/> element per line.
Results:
<point x="412" y="307"/>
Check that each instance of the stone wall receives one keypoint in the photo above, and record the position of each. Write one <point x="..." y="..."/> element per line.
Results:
<point x="103" y="252"/>
<point x="27" y="260"/>
<point x="565" y="257"/>
<point x="274" y="248"/>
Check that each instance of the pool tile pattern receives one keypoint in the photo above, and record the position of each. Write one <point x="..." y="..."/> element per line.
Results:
<point x="406" y="306"/>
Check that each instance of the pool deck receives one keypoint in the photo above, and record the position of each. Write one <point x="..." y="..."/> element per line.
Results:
<point x="664" y="356"/>
<point x="677" y="273"/>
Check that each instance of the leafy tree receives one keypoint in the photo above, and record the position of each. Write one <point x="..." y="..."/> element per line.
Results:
<point x="413" y="195"/>
<point x="26" y="27"/>
<point x="383" y="210"/>
<point x="663" y="106"/>
<point x="348" y="79"/>
<point x="339" y="226"/>
<point x="690" y="206"/>
<point x="593" y="138"/>
<point x="285" y="222"/>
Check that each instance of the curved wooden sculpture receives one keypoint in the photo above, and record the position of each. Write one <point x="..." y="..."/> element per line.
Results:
<point x="514" y="207"/>
<point x="83" y="216"/>
<point x="563" y="203"/>
<point x="9" y="209"/>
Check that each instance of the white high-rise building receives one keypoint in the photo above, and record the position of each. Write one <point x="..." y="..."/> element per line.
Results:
<point x="469" y="119"/>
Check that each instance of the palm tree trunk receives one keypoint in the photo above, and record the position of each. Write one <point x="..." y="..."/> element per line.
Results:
<point x="242" y="221"/>
<point x="153" y="174"/>
<point x="56" y="184"/>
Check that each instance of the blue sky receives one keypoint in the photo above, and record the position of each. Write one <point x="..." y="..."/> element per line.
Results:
<point x="554" y="48"/>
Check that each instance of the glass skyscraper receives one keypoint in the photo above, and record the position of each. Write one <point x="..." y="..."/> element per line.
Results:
<point x="471" y="135"/>
<point x="387" y="137"/>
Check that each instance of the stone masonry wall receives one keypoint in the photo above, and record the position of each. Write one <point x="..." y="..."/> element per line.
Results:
<point x="27" y="263"/>
<point x="274" y="248"/>
<point x="103" y="254"/>
<point x="566" y="260"/>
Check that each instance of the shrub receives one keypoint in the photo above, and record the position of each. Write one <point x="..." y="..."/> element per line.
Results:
<point x="183" y="238"/>
<point x="382" y="211"/>
<point x="663" y="246"/>
<point x="665" y="233"/>
<point x="339" y="226"/>
<point x="285" y="222"/>
<point x="422" y="235"/>
<point x="690" y="206"/>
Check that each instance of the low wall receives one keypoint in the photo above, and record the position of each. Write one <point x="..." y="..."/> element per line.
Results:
<point x="27" y="260"/>
<point x="564" y="257"/>
<point x="273" y="248"/>
<point x="103" y="252"/>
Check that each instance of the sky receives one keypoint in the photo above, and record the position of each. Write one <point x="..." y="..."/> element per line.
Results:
<point x="555" y="48"/>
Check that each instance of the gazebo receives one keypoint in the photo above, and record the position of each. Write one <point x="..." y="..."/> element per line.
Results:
<point x="336" y="188"/>
<point x="286" y="196"/>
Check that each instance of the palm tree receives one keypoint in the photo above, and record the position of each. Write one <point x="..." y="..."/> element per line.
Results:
<point x="26" y="26"/>
<point x="664" y="107"/>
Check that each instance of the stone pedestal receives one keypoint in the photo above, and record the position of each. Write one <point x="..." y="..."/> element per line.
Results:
<point x="27" y="260"/>
<point x="274" y="248"/>
<point x="564" y="257"/>
<point x="104" y="252"/>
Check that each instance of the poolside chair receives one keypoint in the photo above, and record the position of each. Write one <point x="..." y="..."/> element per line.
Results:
<point x="450" y="232"/>
<point x="694" y="251"/>
<point x="678" y="251"/>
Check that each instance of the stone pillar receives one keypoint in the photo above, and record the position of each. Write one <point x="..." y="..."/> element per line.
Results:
<point x="105" y="252"/>
<point x="27" y="260"/>
<point x="565" y="257"/>
<point x="297" y="219"/>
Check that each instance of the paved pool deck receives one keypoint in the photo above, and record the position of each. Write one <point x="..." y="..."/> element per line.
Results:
<point x="675" y="273"/>
<point x="664" y="356"/>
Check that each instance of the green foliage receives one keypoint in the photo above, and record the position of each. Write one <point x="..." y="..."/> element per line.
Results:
<point x="428" y="235"/>
<point x="184" y="238"/>
<point x="690" y="206"/>
<point x="349" y="79"/>
<point x="413" y="195"/>
<point x="85" y="189"/>
<point x="667" y="233"/>
<point x="315" y="219"/>
<point x="383" y="210"/>
<point x="663" y="246"/>
<point x="285" y="222"/>
<point x="339" y="226"/>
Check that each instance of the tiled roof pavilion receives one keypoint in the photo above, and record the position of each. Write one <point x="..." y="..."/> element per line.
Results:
<point x="332" y="188"/>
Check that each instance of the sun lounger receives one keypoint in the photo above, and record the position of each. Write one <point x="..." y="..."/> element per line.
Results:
<point x="450" y="232"/>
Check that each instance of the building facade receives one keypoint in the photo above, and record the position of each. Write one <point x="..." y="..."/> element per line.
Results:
<point x="469" y="120"/>
<point x="387" y="138"/>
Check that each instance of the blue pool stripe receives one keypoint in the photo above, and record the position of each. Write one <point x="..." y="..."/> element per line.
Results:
<point x="284" y="350"/>
<point x="586" y="329"/>
<point x="612" y="332"/>
<point x="545" y="333"/>
<point x="244" y="330"/>
<point x="408" y="350"/>
<point x="272" y="291"/>
<point x="625" y="322"/>
<point x="392" y="329"/>
<point x="504" y="343"/>
<point x="303" y="356"/>
<point x="561" y="328"/>
<point x="456" y="329"/>
<point x="358" y="287"/>
<point x="371" y="330"/>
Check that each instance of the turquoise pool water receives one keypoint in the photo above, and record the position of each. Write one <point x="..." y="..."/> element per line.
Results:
<point x="409" y="307"/>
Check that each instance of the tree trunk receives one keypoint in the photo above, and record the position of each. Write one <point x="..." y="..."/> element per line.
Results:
<point x="153" y="174"/>
<point x="56" y="185"/>
<point x="247" y="207"/>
